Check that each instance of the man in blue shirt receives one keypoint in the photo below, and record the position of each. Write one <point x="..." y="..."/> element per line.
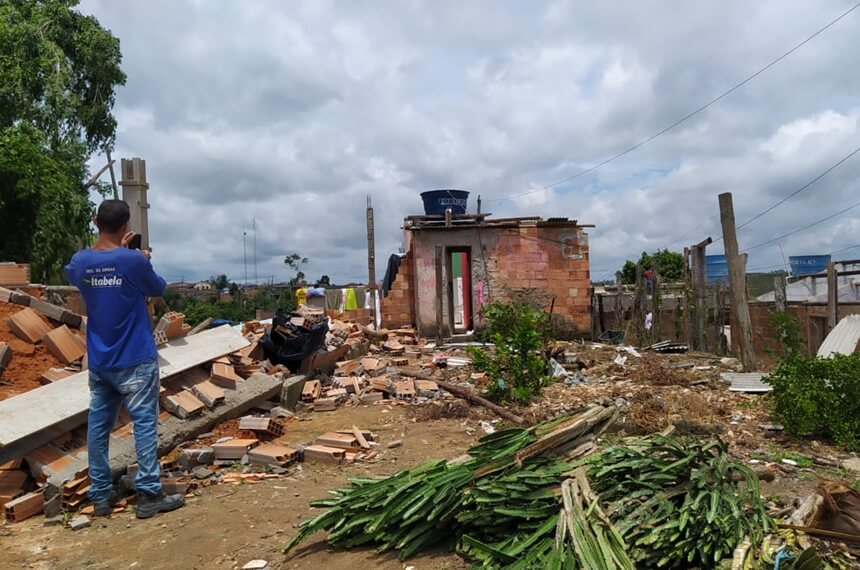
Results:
<point x="123" y="362"/>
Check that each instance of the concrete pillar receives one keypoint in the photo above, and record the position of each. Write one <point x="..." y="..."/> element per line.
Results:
<point x="134" y="188"/>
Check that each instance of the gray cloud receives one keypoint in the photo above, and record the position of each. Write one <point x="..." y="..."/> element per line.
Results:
<point x="292" y="113"/>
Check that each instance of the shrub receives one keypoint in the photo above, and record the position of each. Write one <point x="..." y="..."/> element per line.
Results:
<point x="819" y="396"/>
<point x="517" y="366"/>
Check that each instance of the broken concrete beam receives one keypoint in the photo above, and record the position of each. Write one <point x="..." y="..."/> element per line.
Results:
<point x="74" y="320"/>
<point x="224" y="375"/>
<point x="292" y="391"/>
<point x="311" y="390"/>
<point x="265" y="425"/>
<point x="5" y="355"/>
<point x="27" y="325"/>
<point x="65" y="345"/>
<point x="188" y="459"/>
<point x="271" y="454"/>
<point x="208" y="393"/>
<point x="184" y="404"/>
<point x="19" y="298"/>
<point x="234" y="448"/>
<point x="323" y="454"/>
<point x="32" y="419"/>
<point x="24" y="507"/>
<point x="325" y="405"/>
<point x="47" y="309"/>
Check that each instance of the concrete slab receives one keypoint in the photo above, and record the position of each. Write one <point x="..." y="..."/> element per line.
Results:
<point x="32" y="419"/>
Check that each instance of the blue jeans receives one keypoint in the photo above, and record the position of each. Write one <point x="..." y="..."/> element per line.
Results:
<point x="138" y="388"/>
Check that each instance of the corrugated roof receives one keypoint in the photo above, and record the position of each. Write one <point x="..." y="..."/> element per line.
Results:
<point x="843" y="338"/>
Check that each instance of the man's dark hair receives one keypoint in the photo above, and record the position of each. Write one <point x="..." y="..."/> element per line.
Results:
<point x="111" y="216"/>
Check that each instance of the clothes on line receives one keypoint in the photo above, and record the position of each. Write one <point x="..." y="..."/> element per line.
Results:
<point x="391" y="272"/>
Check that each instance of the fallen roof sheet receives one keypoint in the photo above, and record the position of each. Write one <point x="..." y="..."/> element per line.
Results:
<point x="746" y="382"/>
<point x="34" y="418"/>
<point x="843" y="339"/>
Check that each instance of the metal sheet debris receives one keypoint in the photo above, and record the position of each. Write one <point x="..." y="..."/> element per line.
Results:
<point x="750" y="382"/>
<point x="843" y="339"/>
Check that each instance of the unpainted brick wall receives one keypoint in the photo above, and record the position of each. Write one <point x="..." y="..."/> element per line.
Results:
<point x="811" y="324"/>
<point x="398" y="308"/>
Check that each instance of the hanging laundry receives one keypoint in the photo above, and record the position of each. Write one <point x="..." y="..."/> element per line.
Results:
<point x="391" y="273"/>
<point x="333" y="299"/>
<point x="351" y="304"/>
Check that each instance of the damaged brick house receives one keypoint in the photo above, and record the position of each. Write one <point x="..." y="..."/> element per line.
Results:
<point x="454" y="265"/>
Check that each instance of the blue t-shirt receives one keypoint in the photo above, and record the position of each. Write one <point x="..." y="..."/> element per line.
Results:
<point x="114" y="284"/>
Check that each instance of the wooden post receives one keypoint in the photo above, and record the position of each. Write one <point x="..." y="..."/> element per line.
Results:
<point x="656" y="304"/>
<point x="779" y="295"/>
<point x="832" y="296"/>
<point x="439" y="292"/>
<point x="639" y="299"/>
<point x="371" y="260"/>
<point x="737" y="281"/>
<point x="700" y="291"/>
<point x="619" y="302"/>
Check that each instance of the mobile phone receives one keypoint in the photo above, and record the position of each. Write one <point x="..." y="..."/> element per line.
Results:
<point x="136" y="242"/>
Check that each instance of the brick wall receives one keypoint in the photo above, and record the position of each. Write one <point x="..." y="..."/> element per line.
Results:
<point x="516" y="264"/>
<point x="811" y="324"/>
<point x="535" y="265"/>
<point x="398" y="308"/>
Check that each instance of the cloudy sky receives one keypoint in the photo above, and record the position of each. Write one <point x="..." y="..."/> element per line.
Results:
<point x="291" y="113"/>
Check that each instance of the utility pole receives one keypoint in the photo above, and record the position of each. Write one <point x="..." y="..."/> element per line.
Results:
<point x="737" y="281"/>
<point x="254" y="225"/>
<point x="245" y="254"/>
<point x="779" y="293"/>
<point x="371" y="260"/>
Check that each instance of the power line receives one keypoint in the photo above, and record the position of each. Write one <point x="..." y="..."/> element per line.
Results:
<point x="815" y="223"/>
<point x="844" y="249"/>
<point x="689" y="115"/>
<point x="799" y="190"/>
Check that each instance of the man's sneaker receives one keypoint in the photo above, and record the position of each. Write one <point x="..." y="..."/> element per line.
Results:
<point x="149" y="506"/>
<point x="105" y="508"/>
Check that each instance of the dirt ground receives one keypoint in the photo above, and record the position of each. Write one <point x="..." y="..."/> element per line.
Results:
<point x="225" y="526"/>
<point x="28" y="361"/>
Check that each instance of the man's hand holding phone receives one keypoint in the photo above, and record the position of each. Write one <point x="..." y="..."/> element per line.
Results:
<point x="132" y="240"/>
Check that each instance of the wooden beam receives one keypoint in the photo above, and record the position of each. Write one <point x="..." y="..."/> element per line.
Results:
<point x="832" y="296"/>
<point x="737" y="280"/>
<point x="779" y="295"/>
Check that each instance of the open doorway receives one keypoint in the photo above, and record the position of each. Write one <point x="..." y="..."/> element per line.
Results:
<point x="460" y="289"/>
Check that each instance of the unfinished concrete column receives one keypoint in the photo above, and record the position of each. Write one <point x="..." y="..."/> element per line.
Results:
<point x="134" y="188"/>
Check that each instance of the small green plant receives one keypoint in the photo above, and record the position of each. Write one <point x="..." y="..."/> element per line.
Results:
<point x="517" y="365"/>
<point x="818" y="396"/>
<point x="789" y="333"/>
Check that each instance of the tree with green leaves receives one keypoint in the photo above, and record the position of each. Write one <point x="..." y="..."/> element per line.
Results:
<point x="219" y="282"/>
<point x="295" y="262"/>
<point x="58" y="72"/>
<point x="669" y="266"/>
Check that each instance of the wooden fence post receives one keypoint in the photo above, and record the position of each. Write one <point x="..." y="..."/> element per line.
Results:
<point x="779" y="295"/>
<point x="737" y="280"/>
<point x="832" y="296"/>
